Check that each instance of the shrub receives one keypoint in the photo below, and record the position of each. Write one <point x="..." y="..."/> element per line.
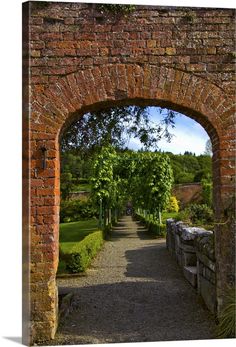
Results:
<point x="173" y="205"/>
<point x="202" y="174"/>
<point x="207" y="191"/>
<point x="66" y="184"/>
<point x="157" y="229"/>
<point x="196" y="213"/>
<point x="83" y="180"/>
<point x="226" y="327"/>
<point x="74" y="210"/>
<point x="201" y="213"/>
<point x="183" y="216"/>
<point x="81" y="254"/>
<point x="153" y="227"/>
<point x="185" y="177"/>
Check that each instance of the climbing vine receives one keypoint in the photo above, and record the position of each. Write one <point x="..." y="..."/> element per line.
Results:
<point x="116" y="9"/>
<point x="152" y="182"/>
<point x="145" y="178"/>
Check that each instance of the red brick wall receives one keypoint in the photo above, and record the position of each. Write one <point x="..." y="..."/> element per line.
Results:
<point x="188" y="193"/>
<point x="71" y="37"/>
<point x="81" y="60"/>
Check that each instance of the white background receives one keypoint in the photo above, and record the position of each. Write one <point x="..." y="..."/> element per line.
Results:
<point x="10" y="169"/>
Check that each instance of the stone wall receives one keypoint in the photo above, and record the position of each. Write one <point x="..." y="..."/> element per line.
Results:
<point x="193" y="249"/>
<point x="77" y="60"/>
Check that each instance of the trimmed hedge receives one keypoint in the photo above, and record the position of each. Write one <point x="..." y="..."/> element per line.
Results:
<point x="153" y="227"/>
<point x="80" y="255"/>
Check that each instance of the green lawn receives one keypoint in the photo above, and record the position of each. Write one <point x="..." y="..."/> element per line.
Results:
<point x="71" y="233"/>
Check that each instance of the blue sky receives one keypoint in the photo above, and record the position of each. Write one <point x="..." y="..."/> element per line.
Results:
<point x="188" y="135"/>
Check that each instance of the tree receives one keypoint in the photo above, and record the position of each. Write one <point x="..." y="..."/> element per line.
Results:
<point x="66" y="185"/>
<point x="207" y="191"/>
<point x="190" y="168"/>
<point x="104" y="187"/>
<point x="115" y="126"/>
<point x="145" y="178"/>
<point x="208" y="148"/>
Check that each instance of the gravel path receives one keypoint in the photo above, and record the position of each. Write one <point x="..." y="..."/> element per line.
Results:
<point x="133" y="292"/>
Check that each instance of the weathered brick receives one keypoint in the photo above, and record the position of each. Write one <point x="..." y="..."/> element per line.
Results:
<point x="170" y="51"/>
<point x="35" y="53"/>
<point x="170" y="55"/>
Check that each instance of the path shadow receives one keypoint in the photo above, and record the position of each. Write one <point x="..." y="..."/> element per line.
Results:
<point x="152" y="261"/>
<point x="130" y="230"/>
<point x="153" y="302"/>
<point x="136" y="312"/>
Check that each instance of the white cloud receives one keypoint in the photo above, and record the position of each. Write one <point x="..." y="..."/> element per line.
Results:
<point x="186" y="138"/>
<point x="185" y="141"/>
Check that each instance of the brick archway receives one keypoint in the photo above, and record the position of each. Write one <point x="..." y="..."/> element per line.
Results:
<point x="73" y="95"/>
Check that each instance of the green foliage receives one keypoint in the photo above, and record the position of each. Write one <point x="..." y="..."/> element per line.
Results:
<point x="76" y="164"/>
<point x="66" y="184"/>
<point x="227" y="327"/>
<point x="198" y="214"/>
<point x="116" y="9"/>
<point x="184" y="216"/>
<point x="151" y="181"/>
<point x="167" y="215"/>
<point x="115" y="126"/>
<point x="153" y="227"/>
<point x="201" y="213"/>
<point x="207" y="191"/>
<point x="80" y="255"/>
<point x="145" y="178"/>
<point x="173" y="205"/>
<point x="74" y="170"/>
<point x="74" y="210"/>
<point x="84" y="187"/>
<point x="107" y="230"/>
<point x="190" y="168"/>
<point x="157" y="229"/>
<point x="84" y="181"/>
<point x="103" y="184"/>
<point x="61" y="265"/>
<point x="202" y="174"/>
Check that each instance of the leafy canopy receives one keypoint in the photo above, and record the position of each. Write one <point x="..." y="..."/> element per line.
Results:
<point x="115" y="126"/>
<point x="145" y="178"/>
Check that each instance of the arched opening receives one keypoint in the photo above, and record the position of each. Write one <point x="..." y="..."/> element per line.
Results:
<point x="131" y="272"/>
<point x="199" y="118"/>
<point x="82" y="92"/>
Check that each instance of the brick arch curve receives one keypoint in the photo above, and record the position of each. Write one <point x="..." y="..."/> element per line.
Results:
<point x="185" y="92"/>
<point x="82" y="91"/>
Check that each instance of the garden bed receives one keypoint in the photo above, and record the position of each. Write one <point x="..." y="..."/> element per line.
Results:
<point x="79" y="243"/>
<point x="153" y="226"/>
